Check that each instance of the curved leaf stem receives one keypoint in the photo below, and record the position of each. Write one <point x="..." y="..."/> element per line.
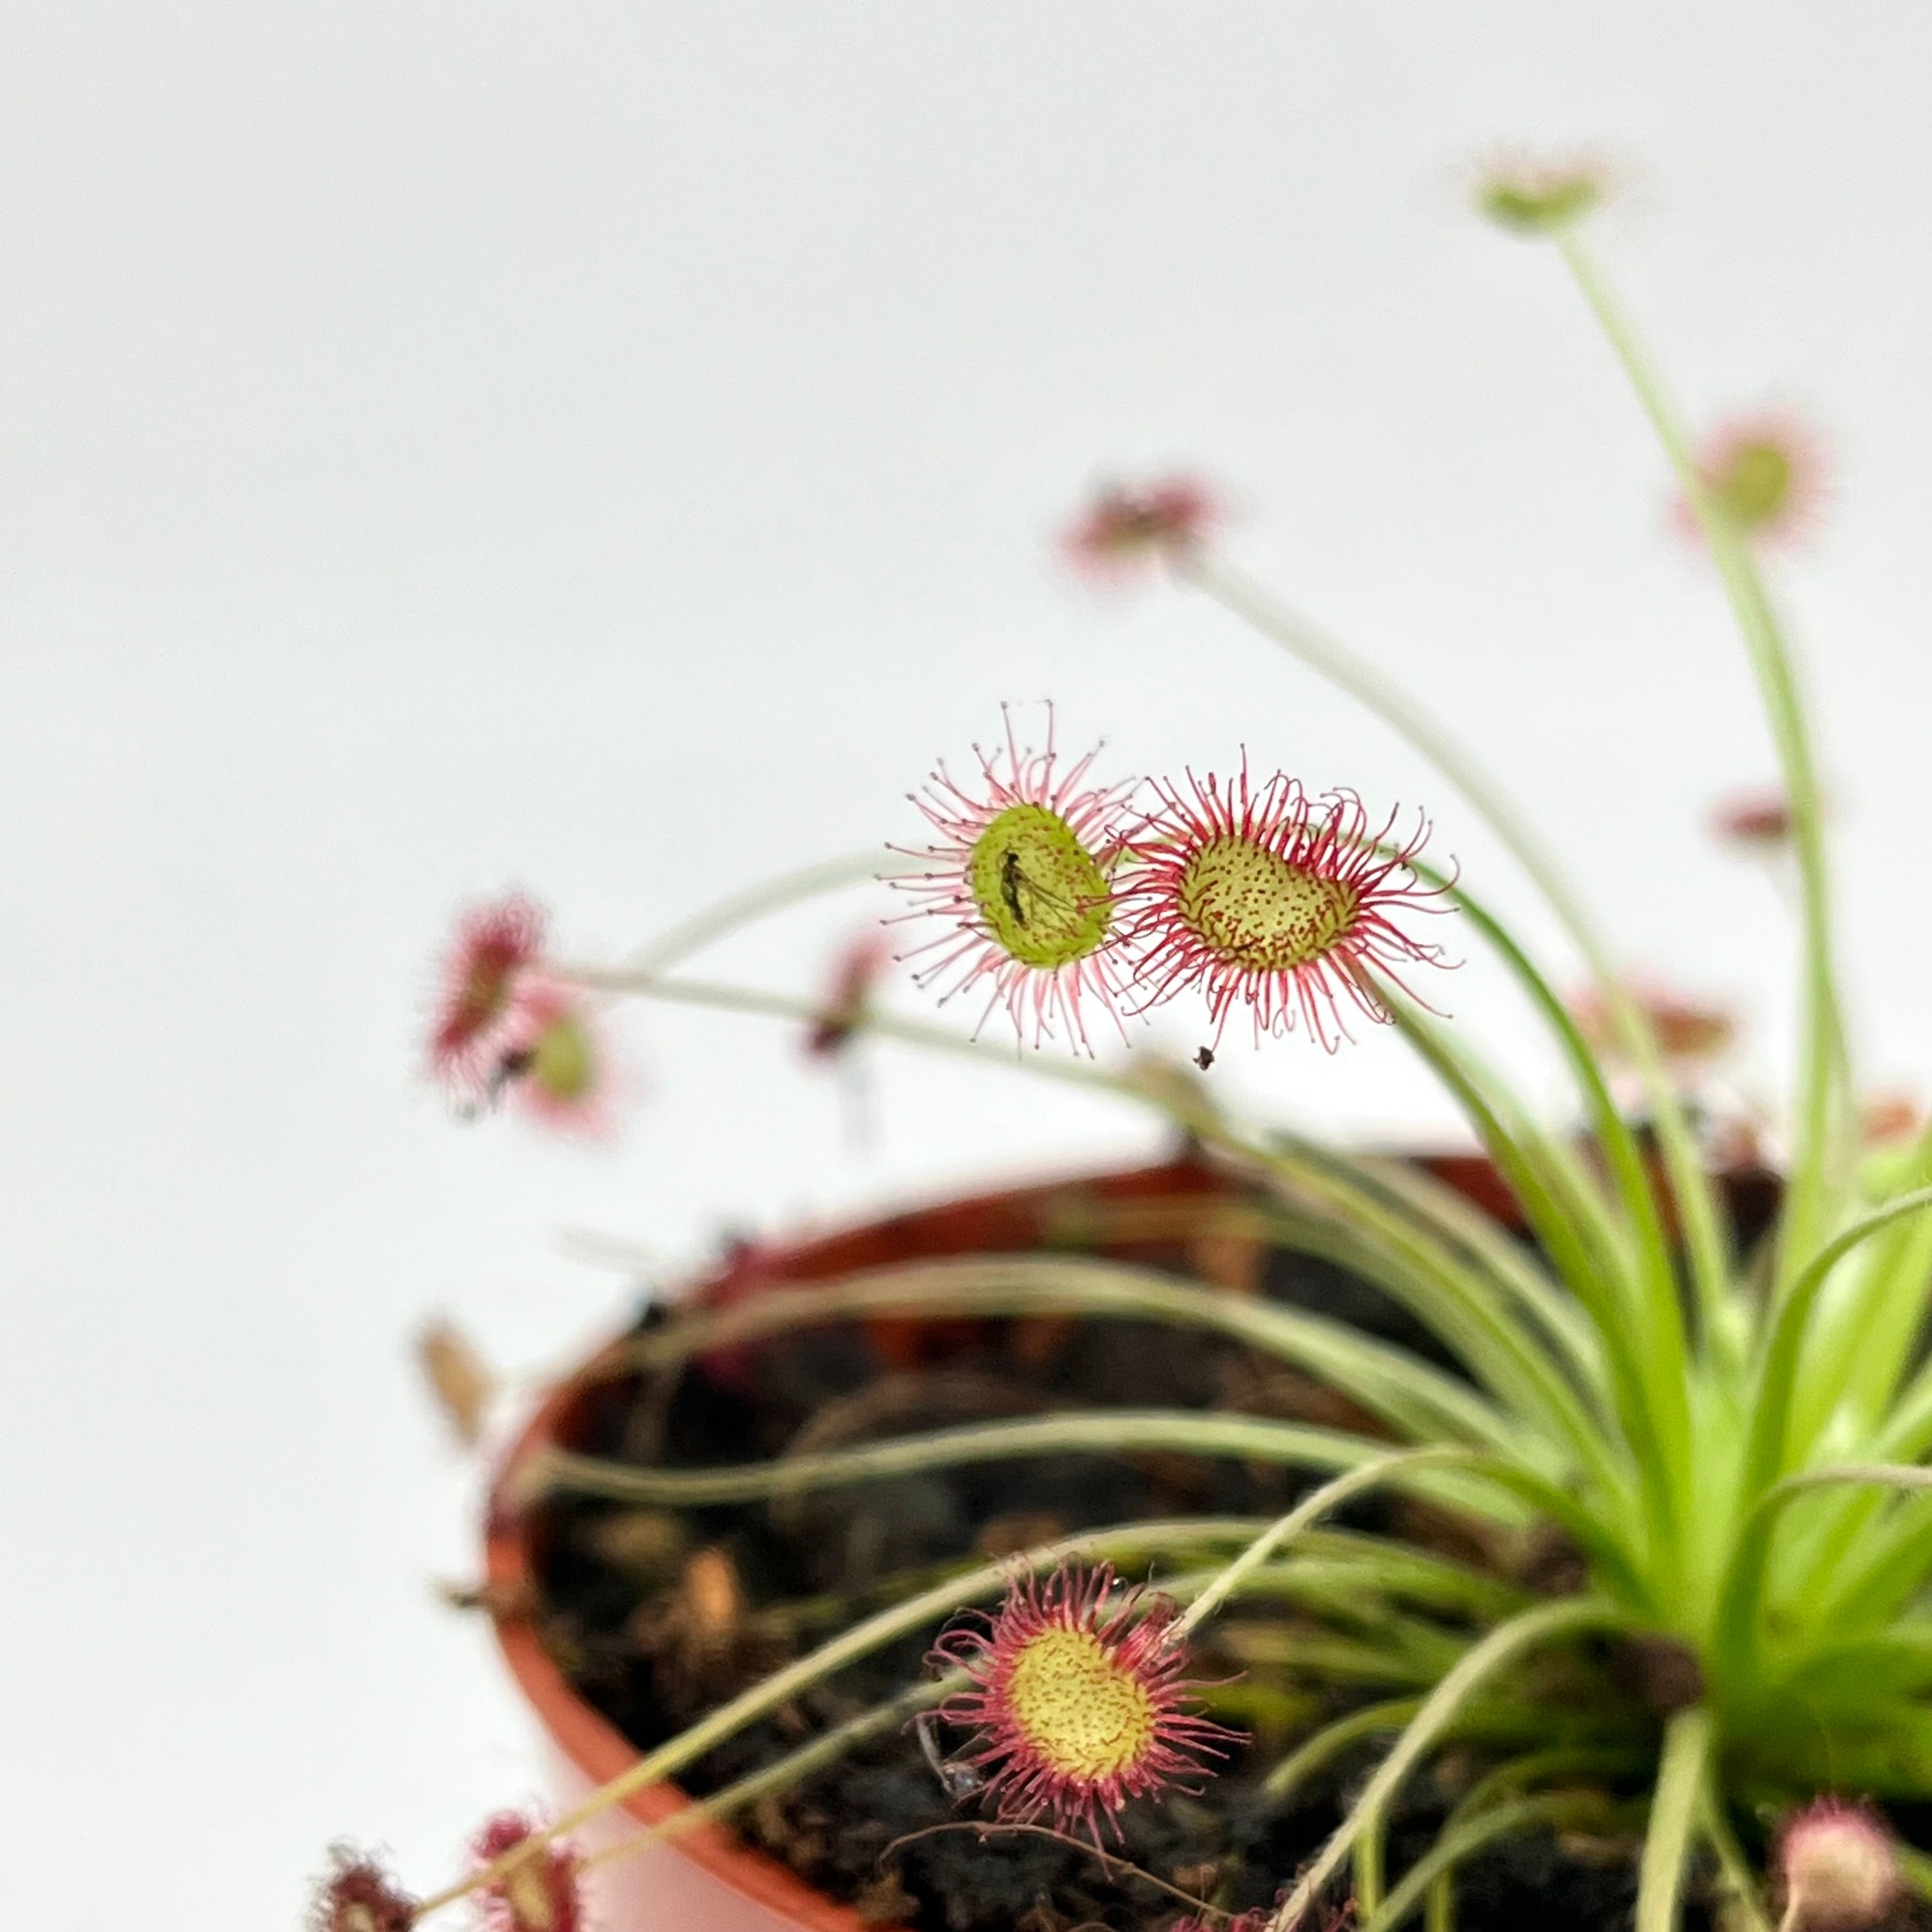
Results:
<point x="1742" y="1588"/>
<point x="1506" y="1354"/>
<point x="1770" y="1408"/>
<point x="1331" y="1495"/>
<point x="1327" y="1744"/>
<point x="1649" y="1394"/>
<point x="1502" y="1646"/>
<point x="1731" y="1864"/>
<point x="1240" y="596"/>
<point x="1821" y="1106"/>
<point x="1391" y="1383"/>
<point x="1673" y="1811"/>
<point x="1456" y="1846"/>
<point x="679" y="942"/>
<point x="1619" y="1145"/>
<point x="826" y="1748"/>
<point x="1115" y="1430"/>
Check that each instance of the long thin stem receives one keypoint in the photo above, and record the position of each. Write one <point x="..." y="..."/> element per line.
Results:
<point x="1315" y="1753"/>
<point x="1452" y="1219"/>
<point x="1613" y="1135"/>
<point x="1186" y="1431"/>
<point x="1861" y="1356"/>
<point x="1508" y="1783"/>
<point x="1771" y="1408"/>
<point x="1649" y="1376"/>
<point x="1891" y="1564"/>
<point x="1245" y="599"/>
<point x="1731" y="1862"/>
<point x="1673" y="1811"/>
<point x="1391" y="1383"/>
<point x="1503" y="1348"/>
<point x="677" y="942"/>
<point x="1457" y="1847"/>
<point x="1405" y="1571"/>
<point x="1516" y="1775"/>
<point x="1242" y="597"/>
<point x="1461" y="1308"/>
<point x="831" y="1745"/>
<point x="1571" y="1223"/>
<point x="1742" y="1585"/>
<point x="1820" y="1107"/>
<point x="1310" y="1509"/>
<point x="1541" y="1625"/>
<point x="782" y="1773"/>
<point x="889" y="1026"/>
<point x="1502" y="1352"/>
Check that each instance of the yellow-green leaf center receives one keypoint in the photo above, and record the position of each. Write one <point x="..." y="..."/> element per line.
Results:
<point x="1756" y="483"/>
<point x="561" y="1061"/>
<point x="1041" y="893"/>
<point x="1539" y="206"/>
<point x="1076" y="1707"/>
<point x="1255" y="909"/>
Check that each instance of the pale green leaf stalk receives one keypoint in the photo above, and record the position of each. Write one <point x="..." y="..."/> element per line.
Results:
<point x="1332" y="660"/>
<point x="1823" y="1111"/>
<point x="1501" y="1647"/>
<point x="1242" y="1437"/>
<point x="1739" y="1884"/>
<point x="1561" y="1809"/>
<point x="1673" y="1812"/>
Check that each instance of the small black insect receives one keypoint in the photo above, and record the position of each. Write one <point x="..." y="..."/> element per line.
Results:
<point x="1011" y="880"/>
<point x="958" y="1780"/>
<point x="510" y="1066"/>
<point x="1203" y="1058"/>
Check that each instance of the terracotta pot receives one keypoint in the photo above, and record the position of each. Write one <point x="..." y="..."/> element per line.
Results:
<point x="706" y="1877"/>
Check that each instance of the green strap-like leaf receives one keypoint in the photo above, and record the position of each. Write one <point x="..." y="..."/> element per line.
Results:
<point x="1673" y="1811"/>
<point x="1390" y="1382"/>
<point x="1545" y="1623"/>
<point x="1457" y="1847"/>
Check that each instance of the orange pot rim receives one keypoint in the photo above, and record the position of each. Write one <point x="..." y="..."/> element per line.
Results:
<point x="597" y="1749"/>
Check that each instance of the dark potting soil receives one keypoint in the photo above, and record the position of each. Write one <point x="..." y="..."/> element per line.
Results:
<point x="658" y="1616"/>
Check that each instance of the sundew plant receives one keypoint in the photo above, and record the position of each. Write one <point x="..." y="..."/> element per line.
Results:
<point x="1726" y="1445"/>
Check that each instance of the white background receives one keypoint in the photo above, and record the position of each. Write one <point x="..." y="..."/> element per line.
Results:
<point x="614" y="449"/>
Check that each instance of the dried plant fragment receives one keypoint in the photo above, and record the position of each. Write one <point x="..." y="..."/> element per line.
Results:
<point x="460" y="1381"/>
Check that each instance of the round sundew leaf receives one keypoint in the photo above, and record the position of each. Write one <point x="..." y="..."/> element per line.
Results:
<point x="1537" y="203"/>
<point x="1078" y="1699"/>
<point x="495" y="944"/>
<point x="485" y="991"/>
<point x="562" y="1061"/>
<point x="1259" y="911"/>
<point x="1041" y="893"/>
<point x="1756" y="485"/>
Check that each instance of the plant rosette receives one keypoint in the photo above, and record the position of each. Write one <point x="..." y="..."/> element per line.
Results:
<point x="1620" y="1532"/>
